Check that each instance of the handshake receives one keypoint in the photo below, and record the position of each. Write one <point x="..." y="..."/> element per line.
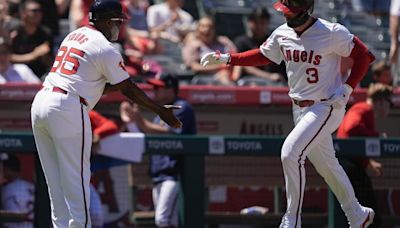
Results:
<point x="215" y="58"/>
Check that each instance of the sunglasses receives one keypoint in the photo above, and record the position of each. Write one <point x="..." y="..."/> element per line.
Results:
<point x="117" y="21"/>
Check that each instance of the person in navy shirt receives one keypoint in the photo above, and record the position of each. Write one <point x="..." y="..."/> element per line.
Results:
<point x="164" y="169"/>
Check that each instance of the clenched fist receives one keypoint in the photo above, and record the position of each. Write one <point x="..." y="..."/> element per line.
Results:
<point x="214" y="58"/>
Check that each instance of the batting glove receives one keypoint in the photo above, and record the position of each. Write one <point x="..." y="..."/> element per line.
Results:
<point x="341" y="96"/>
<point x="215" y="58"/>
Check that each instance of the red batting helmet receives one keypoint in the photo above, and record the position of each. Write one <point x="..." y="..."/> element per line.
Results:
<point x="294" y="6"/>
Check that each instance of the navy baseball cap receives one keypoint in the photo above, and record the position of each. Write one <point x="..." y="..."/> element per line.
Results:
<point x="164" y="80"/>
<point x="106" y="9"/>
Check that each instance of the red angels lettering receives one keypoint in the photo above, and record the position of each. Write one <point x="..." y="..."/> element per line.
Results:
<point x="310" y="57"/>
<point x="304" y="56"/>
<point x="288" y="55"/>
<point x="317" y="60"/>
<point x="296" y="56"/>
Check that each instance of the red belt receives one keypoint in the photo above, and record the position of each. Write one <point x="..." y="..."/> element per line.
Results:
<point x="59" y="90"/>
<point x="305" y="103"/>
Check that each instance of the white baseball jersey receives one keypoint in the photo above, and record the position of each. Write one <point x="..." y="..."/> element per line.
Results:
<point x="312" y="58"/>
<point x="86" y="60"/>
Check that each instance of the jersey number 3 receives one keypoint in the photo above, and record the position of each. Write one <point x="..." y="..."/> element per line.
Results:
<point x="69" y="64"/>
<point x="312" y="75"/>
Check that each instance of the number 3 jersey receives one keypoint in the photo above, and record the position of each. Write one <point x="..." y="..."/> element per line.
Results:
<point x="312" y="58"/>
<point x="85" y="62"/>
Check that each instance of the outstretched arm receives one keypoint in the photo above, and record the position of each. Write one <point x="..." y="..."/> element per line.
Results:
<point x="247" y="58"/>
<point x="132" y="91"/>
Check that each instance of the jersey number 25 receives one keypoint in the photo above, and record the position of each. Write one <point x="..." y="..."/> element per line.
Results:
<point x="64" y="56"/>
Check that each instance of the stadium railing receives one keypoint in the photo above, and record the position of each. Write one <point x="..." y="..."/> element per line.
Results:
<point x="195" y="148"/>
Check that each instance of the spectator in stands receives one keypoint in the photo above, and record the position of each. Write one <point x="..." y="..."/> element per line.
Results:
<point x="32" y="42"/>
<point x="169" y="21"/>
<point x="138" y="31"/>
<point x="7" y="22"/>
<point x="359" y="121"/>
<point x="204" y="40"/>
<point x="78" y="13"/>
<point x="17" y="195"/>
<point x="51" y="18"/>
<point x="375" y="7"/>
<point x="258" y="32"/>
<point x="381" y="73"/>
<point x="13" y="72"/>
<point x="138" y="42"/>
<point x="164" y="168"/>
<point x="394" y="41"/>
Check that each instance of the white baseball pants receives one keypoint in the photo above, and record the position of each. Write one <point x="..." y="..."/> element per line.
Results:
<point x="165" y="199"/>
<point x="312" y="138"/>
<point x="63" y="137"/>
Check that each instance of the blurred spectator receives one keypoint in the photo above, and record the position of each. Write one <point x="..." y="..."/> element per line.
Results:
<point x="17" y="195"/>
<point x="258" y="32"/>
<point x="78" y="13"/>
<point x="204" y="40"/>
<point x="359" y="121"/>
<point x="394" y="40"/>
<point x="138" y="41"/>
<point x="13" y="72"/>
<point x="381" y="73"/>
<point x="31" y="42"/>
<point x="169" y="21"/>
<point x="51" y="18"/>
<point x="375" y="7"/>
<point x="7" y="22"/>
<point x="138" y="31"/>
<point x="164" y="169"/>
<point x="13" y="6"/>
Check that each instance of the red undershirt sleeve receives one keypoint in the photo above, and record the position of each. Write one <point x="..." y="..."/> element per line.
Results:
<point x="362" y="57"/>
<point x="249" y="58"/>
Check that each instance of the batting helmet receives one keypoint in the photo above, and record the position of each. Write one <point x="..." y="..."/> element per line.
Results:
<point x="294" y="6"/>
<point x="106" y="9"/>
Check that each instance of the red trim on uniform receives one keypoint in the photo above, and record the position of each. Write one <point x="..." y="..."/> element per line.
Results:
<point x="82" y="156"/>
<point x="249" y="58"/>
<point x="279" y="6"/>
<point x="156" y="82"/>
<point x="366" y="221"/>
<point x="362" y="57"/>
<point x="301" y="155"/>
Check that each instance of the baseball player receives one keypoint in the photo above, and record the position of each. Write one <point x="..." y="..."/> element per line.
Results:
<point x="312" y="49"/>
<point x="86" y="66"/>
